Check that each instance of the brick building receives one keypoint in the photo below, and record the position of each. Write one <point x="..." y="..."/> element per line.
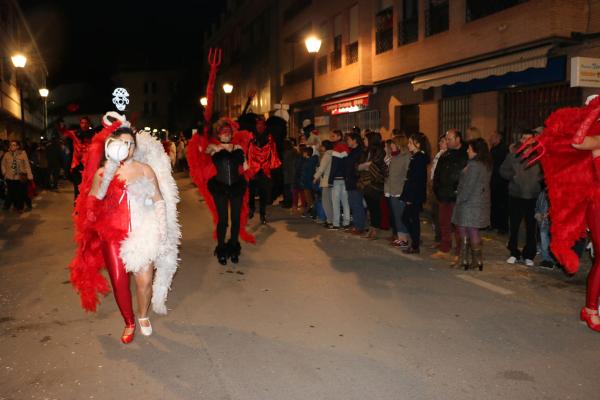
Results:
<point x="417" y="65"/>
<point x="16" y="37"/>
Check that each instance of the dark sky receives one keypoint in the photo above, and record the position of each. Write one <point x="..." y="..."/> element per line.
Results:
<point x="88" y="39"/>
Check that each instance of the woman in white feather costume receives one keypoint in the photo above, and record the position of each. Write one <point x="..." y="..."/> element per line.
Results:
<point x="127" y="222"/>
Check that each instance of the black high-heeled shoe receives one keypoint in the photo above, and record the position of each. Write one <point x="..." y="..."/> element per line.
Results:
<point x="221" y="254"/>
<point x="234" y="250"/>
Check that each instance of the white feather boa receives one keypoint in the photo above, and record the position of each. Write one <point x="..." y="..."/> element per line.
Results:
<point x="142" y="246"/>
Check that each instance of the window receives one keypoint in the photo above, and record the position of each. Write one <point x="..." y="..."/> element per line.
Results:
<point x="322" y="65"/>
<point x="436" y="16"/>
<point x="478" y="9"/>
<point x="146" y="108"/>
<point x="384" y="36"/>
<point x="352" y="47"/>
<point x="368" y="119"/>
<point x="154" y="89"/>
<point x="336" y="54"/>
<point x="154" y="108"/>
<point x="408" y="27"/>
<point x="145" y="87"/>
<point x="455" y="112"/>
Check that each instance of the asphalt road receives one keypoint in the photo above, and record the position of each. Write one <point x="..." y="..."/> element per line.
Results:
<point x="316" y="314"/>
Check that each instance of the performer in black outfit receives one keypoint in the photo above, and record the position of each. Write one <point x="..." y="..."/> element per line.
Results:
<point x="227" y="188"/>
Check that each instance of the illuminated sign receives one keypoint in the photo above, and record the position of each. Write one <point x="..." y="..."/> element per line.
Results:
<point x="585" y="72"/>
<point x="347" y="104"/>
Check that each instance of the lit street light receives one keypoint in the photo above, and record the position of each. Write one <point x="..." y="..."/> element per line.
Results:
<point x="203" y="101"/>
<point x="227" y="88"/>
<point x="44" y="93"/>
<point x="313" y="45"/>
<point x="19" y="61"/>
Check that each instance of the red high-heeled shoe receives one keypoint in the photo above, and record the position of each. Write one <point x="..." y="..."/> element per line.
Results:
<point x="126" y="339"/>
<point x="586" y="316"/>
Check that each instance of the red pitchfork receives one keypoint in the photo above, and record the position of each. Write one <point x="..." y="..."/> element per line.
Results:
<point x="535" y="146"/>
<point x="214" y="60"/>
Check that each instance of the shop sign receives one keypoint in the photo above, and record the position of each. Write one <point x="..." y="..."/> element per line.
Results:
<point x="347" y="104"/>
<point x="585" y="72"/>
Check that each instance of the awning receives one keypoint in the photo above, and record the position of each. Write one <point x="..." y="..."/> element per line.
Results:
<point x="535" y="58"/>
<point x="347" y="104"/>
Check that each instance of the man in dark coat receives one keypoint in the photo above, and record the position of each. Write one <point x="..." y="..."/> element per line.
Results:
<point x="445" y="183"/>
<point x="499" y="185"/>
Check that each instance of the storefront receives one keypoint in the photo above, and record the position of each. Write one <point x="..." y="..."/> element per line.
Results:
<point x="351" y="111"/>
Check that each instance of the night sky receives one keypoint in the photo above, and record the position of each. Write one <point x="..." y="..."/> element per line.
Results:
<point x="87" y="40"/>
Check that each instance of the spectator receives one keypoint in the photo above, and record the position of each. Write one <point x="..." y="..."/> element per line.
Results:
<point x="499" y="185"/>
<point x="523" y="188"/>
<point x="17" y="173"/>
<point x="309" y="168"/>
<point x="337" y="179"/>
<point x="322" y="177"/>
<point x="445" y="183"/>
<point x="442" y="147"/>
<point x="472" y="210"/>
<point x="289" y="160"/>
<point x="53" y="153"/>
<point x="399" y="159"/>
<point x="414" y="193"/>
<point x="297" y="190"/>
<point x="181" y="145"/>
<point x="355" y="197"/>
<point x="372" y="171"/>
<point x="541" y="216"/>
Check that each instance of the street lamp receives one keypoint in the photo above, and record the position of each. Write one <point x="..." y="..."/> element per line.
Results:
<point x="44" y="93"/>
<point x="313" y="45"/>
<point x="19" y="61"/>
<point x="227" y="88"/>
<point x="204" y="101"/>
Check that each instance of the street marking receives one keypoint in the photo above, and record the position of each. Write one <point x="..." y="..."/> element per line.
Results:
<point x="486" y="285"/>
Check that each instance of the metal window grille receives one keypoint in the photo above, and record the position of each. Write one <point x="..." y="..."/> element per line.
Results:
<point x="528" y="108"/>
<point x="384" y="36"/>
<point x="368" y="119"/>
<point x="322" y="65"/>
<point x="345" y="122"/>
<point x="336" y="54"/>
<point x="437" y="14"/>
<point x="455" y="112"/>
<point x="352" y="53"/>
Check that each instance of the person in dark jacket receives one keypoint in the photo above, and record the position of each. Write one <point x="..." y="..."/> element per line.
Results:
<point x="289" y="159"/>
<point x="355" y="197"/>
<point x="472" y="210"/>
<point x="306" y="180"/>
<point x="524" y="187"/>
<point x="337" y="174"/>
<point x="445" y="183"/>
<point x="498" y="185"/>
<point x="414" y="193"/>
<point x="372" y="172"/>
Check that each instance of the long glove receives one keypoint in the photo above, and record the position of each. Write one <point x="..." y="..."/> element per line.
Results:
<point x="160" y="211"/>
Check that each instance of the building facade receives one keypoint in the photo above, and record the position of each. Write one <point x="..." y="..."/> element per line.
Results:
<point x="16" y="37"/>
<point x="417" y="65"/>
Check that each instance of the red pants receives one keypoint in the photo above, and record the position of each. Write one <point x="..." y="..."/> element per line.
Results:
<point x="119" y="278"/>
<point x="446" y="228"/>
<point x="593" y="280"/>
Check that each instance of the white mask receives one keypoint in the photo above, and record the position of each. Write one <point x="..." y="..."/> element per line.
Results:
<point x="117" y="150"/>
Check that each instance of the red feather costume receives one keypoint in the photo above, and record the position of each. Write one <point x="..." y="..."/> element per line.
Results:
<point x="200" y="163"/>
<point x="573" y="180"/>
<point x="93" y="219"/>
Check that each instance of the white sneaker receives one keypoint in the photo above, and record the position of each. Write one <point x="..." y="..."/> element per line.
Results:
<point x="529" y="262"/>
<point x="511" y="260"/>
<point x="146" y="330"/>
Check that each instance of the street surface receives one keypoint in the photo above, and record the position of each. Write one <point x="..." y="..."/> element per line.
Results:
<point x="316" y="314"/>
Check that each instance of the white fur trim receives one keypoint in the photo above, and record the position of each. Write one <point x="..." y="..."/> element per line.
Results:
<point x="142" y="246"/>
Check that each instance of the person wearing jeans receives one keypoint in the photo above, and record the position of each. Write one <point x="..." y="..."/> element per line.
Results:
<point x="322" y="178"/>
<point x="355" y="197"/>
<point x="399" y="159"/>
<point x="339" y="195"/>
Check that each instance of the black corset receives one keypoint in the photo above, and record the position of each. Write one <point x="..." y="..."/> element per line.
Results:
<point x="228" y="165"/>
